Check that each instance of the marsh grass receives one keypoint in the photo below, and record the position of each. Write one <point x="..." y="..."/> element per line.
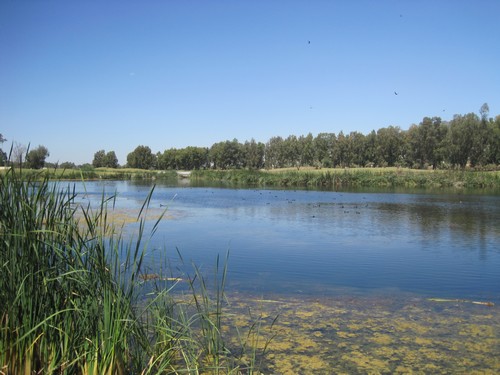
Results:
<point x="73" y="299"/>
<point x="90" y="173"/>
<point x="356" y="177"/>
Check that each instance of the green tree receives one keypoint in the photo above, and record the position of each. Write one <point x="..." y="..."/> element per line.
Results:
<point x="275" y="156"/>
<point x="226" y="155"/>
<point x="36" y="158"/>
<point x="426" y="142"/>
<point x="67" y="165"/>
<point x="103" y="159"/>
<point x="340" y="150"/>
<point x="99" y="159"/>
<point x="111" y="161"/>
<point x="323" y="145"/>
<point x="253" y="154"/>
<point x="482" y="140"/>
<point x="415" y="157"/>
<point x="495" y="140"/>
<point x="167" y="160"/>
<point x="356" y="149"/>
<point x="370" y="150"/>
<point x="390" y="145"/>
<point x="461" y="138"/>
<point x="306" y="146"/>
<point x="192" y="158"/>
<point x="141" y="158"/>
<point x="291" y="151"/>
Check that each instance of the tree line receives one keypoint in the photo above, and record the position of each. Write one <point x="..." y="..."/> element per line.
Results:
<point x="467" y="140"/>
<point x="34" y="158"/>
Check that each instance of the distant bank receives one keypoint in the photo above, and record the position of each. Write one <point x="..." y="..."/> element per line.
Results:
<point x="390" y="177"/>
<point x="356" y="177"/>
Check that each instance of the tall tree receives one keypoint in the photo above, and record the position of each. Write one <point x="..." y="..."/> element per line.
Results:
<point x="111" y="161"/>
<point x="495" y="134"/>
<point x="426" y="142"/>
<point x="228" y="154"/>
<point x="141" y="158"/>
<point x="390" y="145"/>
<point x="275" y="156"/>
<point x="254" y="154"/>
<point x="291" y="151"/>
<point x="356" y="143"/>
<point x="99" y="159"/>
<point x="370" y="151"/>
<point x="36" y="158"/>
<point x="324" y="144"/>
<point x="306" y="146"/>
<point x="461" y="138"/>
<point x="340" y="152"/>
<point x="481" y="143"/>
<point x="168" y="160"/>
<point x="192" y="158"/>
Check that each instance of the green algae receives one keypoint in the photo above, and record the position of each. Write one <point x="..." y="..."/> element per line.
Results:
<point x="373" y="335"/>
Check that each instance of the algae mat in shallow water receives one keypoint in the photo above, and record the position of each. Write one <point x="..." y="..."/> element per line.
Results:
<point x="374" y="335"/>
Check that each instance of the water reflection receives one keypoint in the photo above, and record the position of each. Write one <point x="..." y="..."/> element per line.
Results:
<point x="317" y="241"/>
<point x="349" y="274"/>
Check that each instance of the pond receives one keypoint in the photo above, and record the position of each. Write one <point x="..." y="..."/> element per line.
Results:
<point x="310" y="242"/>
<point x="379" y="281"/>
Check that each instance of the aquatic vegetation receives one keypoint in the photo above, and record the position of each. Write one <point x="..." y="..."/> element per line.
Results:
<point x="71" y="290"/>
<point x="73" y="293"/>
<point x="91" y="173"/>
<point x="355" y="177"/>
<point x="384" y="334"/>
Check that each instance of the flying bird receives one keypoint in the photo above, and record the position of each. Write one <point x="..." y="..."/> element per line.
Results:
<point x="395" y="93"/>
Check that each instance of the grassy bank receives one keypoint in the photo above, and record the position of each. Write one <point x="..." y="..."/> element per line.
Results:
<point x="358" y="177"/>
<point x="95" y="174"/>
<point x="72" y="292"/>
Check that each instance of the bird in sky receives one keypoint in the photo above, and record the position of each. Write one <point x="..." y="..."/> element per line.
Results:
<point x="395" y="93"/>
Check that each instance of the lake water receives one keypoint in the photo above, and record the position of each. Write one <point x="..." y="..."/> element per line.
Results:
<point x="308" y="242"/>
<point x="361" y="282"/>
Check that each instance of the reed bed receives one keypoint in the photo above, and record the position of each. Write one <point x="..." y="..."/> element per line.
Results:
<point x="89" y="173"/>
<point x="73" y="297"/>
<point x="356" y="177"/>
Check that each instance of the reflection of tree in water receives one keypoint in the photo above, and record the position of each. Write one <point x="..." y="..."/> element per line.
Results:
<point x="470" y="224"/>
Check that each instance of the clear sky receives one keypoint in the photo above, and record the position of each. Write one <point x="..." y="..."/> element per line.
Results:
<point x="81" y="76"/>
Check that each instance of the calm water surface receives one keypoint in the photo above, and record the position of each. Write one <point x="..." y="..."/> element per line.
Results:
<point x="323" y="242"/>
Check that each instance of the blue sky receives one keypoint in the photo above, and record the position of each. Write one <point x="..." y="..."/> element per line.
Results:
<point x="81" y="76"/>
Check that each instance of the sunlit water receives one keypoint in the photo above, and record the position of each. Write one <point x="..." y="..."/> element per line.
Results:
<point x="310" y="242"/>
<point x="361" y="282"/>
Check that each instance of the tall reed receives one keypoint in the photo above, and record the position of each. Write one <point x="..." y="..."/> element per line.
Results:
<point x="67" y="291"/>
<point x="355" y="177"/>
<point x="72" y="296"/>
